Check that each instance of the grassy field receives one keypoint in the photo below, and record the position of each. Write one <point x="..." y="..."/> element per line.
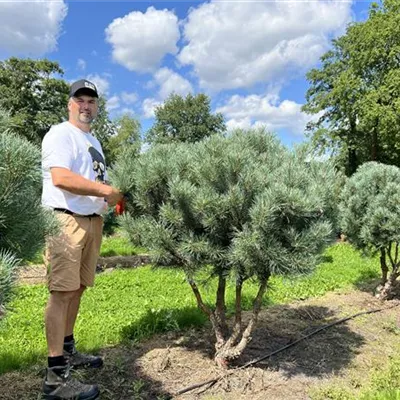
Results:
<point x="134" y="304"/>
<point x="115" y="245"/>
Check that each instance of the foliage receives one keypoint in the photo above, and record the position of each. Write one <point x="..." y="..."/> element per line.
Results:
<point x="127" y="135"/>
<point x="243" y="204"/>
<point x="370" y="216"/>
<point x="118" y="245"/>
<point x="33" y="94"/>
<point x="8" y="264"/>
<point x="354" y="94"/>
<point x="23" y="222"/>
<point x="103" y="128"/>
<point x="162" y="301"/>
<point x="186" y="119"/>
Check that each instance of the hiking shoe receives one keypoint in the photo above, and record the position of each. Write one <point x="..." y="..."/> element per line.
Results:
<point x="77" y="359"/>
<point x="59" y="385"/>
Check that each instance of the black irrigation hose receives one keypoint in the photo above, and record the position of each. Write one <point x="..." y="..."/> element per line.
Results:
<point x="212" y="382"/>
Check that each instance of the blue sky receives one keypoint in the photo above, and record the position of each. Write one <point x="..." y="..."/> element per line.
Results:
<point x="250" y="57"/>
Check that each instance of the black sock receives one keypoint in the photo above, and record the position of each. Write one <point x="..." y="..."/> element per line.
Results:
<point x="69" y="343"/>
<point x="69" y="338"/>
<point x="58" y="361"/>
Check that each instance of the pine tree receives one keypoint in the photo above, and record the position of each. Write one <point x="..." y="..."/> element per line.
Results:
<point x="240" y="207"/>
<point x="370" y="215"/>
<point x="23" y="222"/>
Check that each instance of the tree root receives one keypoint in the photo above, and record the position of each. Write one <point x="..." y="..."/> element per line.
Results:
<point x="212" y="382"/>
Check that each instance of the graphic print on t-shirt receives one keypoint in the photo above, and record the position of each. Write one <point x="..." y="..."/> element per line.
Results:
<point x="99" y="165"/>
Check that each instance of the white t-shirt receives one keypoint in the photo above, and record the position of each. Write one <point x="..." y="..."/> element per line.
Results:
<point x="67" y="146"/>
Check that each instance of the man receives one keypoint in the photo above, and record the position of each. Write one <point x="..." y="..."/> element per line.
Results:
<point x="74" y="186"/>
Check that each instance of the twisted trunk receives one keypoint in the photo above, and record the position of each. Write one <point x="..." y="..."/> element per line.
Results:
<point x="220" y="340"/>
<point x="230" y="350"/>
<point x="390" y="287"/>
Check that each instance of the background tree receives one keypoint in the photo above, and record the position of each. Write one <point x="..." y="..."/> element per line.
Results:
<point x="34" y="95"/>
<point x="186" y="119"/>
<point x="240" y="207"/>
<point x="355" y="92"/>
<point x="23" y="222"/>
<point x="370" y="215"/>
<point x="127" y="134"/>
<point x="103" y="128"/>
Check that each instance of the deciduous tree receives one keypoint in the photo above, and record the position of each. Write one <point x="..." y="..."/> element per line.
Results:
<point x="185" y="119"/>
<point x="355" y="92"/>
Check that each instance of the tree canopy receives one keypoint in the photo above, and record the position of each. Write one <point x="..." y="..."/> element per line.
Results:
<point x="127" y="134"/>
<point x="355" y="92"/>
<point x="237" y="207"/>
<point x="185" y="119"/>
<point x="34" y="95"/>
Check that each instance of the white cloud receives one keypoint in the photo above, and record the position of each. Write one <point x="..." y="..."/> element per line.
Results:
<point x="81" y="64"/>
<point x="232" y="45"/>
<point x="253" y="111"/>
<point x="31" y="28"/>
<point x="149" y="106"/>
<point x="101" y="83"/>
<point x="128" y="111"/>
<point x="140" y="40"/>
<point x="170" y="81"/>
<point x="112" y="103"/>
<point x="129" y="98"/>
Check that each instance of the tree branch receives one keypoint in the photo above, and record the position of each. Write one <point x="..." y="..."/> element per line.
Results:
<point x="220" y="305"/>
<point x="390" y="256"/>
<point x="256" y="309"/>
<point x="237" y="327"/>
<point x="384" y="266"/>
<point x="217" y="329"/>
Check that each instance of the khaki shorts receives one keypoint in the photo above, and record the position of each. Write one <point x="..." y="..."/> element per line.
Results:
<point x="71" y="256"/>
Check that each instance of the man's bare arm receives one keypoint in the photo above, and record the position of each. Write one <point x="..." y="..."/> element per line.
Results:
<point x="70" y="181"/>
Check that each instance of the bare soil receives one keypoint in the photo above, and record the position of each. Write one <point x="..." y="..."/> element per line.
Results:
<point x="159" y="367"/>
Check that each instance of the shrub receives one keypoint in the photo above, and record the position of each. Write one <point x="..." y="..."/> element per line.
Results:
<point x="240" y="207"/>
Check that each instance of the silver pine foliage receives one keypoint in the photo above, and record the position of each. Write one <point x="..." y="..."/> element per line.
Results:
<point x="244" y="204"/>
<point x="24" y="224"/>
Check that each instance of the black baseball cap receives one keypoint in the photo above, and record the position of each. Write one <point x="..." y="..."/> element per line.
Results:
<point x="83" y="86"/>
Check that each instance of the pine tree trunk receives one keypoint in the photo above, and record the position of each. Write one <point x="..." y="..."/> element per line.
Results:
<point x="220" y="306"/>
<point x="391" y="288"/>
<point x="384" y="267"/>
<point x="231" y="350"/>
<point x="219" y="335"/>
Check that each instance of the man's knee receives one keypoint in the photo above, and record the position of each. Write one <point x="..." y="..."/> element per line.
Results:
<point x="81" y="289"/>
<point x="62" y="297"/>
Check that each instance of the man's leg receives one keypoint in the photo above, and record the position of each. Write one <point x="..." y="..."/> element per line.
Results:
<point x="58" y="384"/>
<point x="56" y="321"/>
<point x="74" y="357"/>
<point x="73" y="311"/>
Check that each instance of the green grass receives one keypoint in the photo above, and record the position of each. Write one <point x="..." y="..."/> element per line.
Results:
<point x="134" y="304"/>
<point x="118" y="245"/>
<point x="384" y="384"/>
<point x="115" y="245"/>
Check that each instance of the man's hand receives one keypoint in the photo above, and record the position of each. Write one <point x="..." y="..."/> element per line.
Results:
<point x="113" y="196"/>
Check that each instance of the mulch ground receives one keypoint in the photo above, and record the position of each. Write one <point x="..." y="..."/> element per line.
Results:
<point x="159" y="367"/>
